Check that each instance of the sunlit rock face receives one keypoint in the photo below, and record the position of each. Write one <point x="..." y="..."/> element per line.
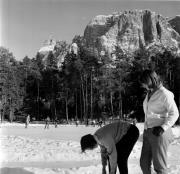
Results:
<point x="47" y="47"/>
<point x="73" y="48"/>
<point x="175" y="23"/>
<point x="129" y="31"/>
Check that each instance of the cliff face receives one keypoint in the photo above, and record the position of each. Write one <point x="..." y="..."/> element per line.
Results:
<point x="130" y="31"/>
<point x="52" y="47"/>
<point x="47" y="47"/>
<point x="175" y="23"/>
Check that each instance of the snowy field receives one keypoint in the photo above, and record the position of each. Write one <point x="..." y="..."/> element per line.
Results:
<point x="57" y="150"/>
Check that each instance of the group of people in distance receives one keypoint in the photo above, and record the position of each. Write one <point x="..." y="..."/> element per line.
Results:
<point x="47" y="122"/>
<point x="116" y="140"/>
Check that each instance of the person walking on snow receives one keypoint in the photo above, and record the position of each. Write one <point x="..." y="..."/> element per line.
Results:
<point x="27" y="121"/>
<point x="47" y="123"/>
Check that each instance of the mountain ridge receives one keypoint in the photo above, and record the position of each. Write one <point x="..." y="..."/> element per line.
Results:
<point x="130" y="31"/>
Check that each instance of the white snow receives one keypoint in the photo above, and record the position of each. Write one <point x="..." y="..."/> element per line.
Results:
<point x="57" y="150"/>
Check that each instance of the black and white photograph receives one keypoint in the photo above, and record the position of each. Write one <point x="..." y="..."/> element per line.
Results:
<point x="89" y="87"/>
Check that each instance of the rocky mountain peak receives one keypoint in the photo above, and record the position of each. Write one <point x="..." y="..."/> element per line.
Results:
<point x="129" y="31"/>
<point x="47" y="46"/>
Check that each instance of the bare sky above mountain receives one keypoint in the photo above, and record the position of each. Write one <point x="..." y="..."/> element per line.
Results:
<point x="26" y="24"/>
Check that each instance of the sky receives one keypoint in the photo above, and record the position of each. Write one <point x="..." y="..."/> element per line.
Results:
<point x="26" y="24"/>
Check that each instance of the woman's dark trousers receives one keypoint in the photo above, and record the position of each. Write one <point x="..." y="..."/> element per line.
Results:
<point x="124" y="148"/>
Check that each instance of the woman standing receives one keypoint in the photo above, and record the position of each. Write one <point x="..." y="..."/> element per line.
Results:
<point x="161" y="114"/>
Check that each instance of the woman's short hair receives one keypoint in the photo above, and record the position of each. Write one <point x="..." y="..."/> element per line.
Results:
<point x="150" y="78"/>
<point x="88" y="142"/>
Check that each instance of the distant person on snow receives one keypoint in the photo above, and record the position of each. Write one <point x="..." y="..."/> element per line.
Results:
<point x="27" y="121"/>
<point x="56" y="122"/>
<point x="116" y="141"/>
<point x="47" y="121"/>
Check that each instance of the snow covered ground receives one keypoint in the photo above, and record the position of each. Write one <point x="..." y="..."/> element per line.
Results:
<point x="57" y="150"/>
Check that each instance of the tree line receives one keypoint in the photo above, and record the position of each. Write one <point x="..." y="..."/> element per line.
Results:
<point x="84" y="85"/>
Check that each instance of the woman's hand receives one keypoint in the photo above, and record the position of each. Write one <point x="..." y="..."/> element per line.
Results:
<point x="157" y="131"/>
